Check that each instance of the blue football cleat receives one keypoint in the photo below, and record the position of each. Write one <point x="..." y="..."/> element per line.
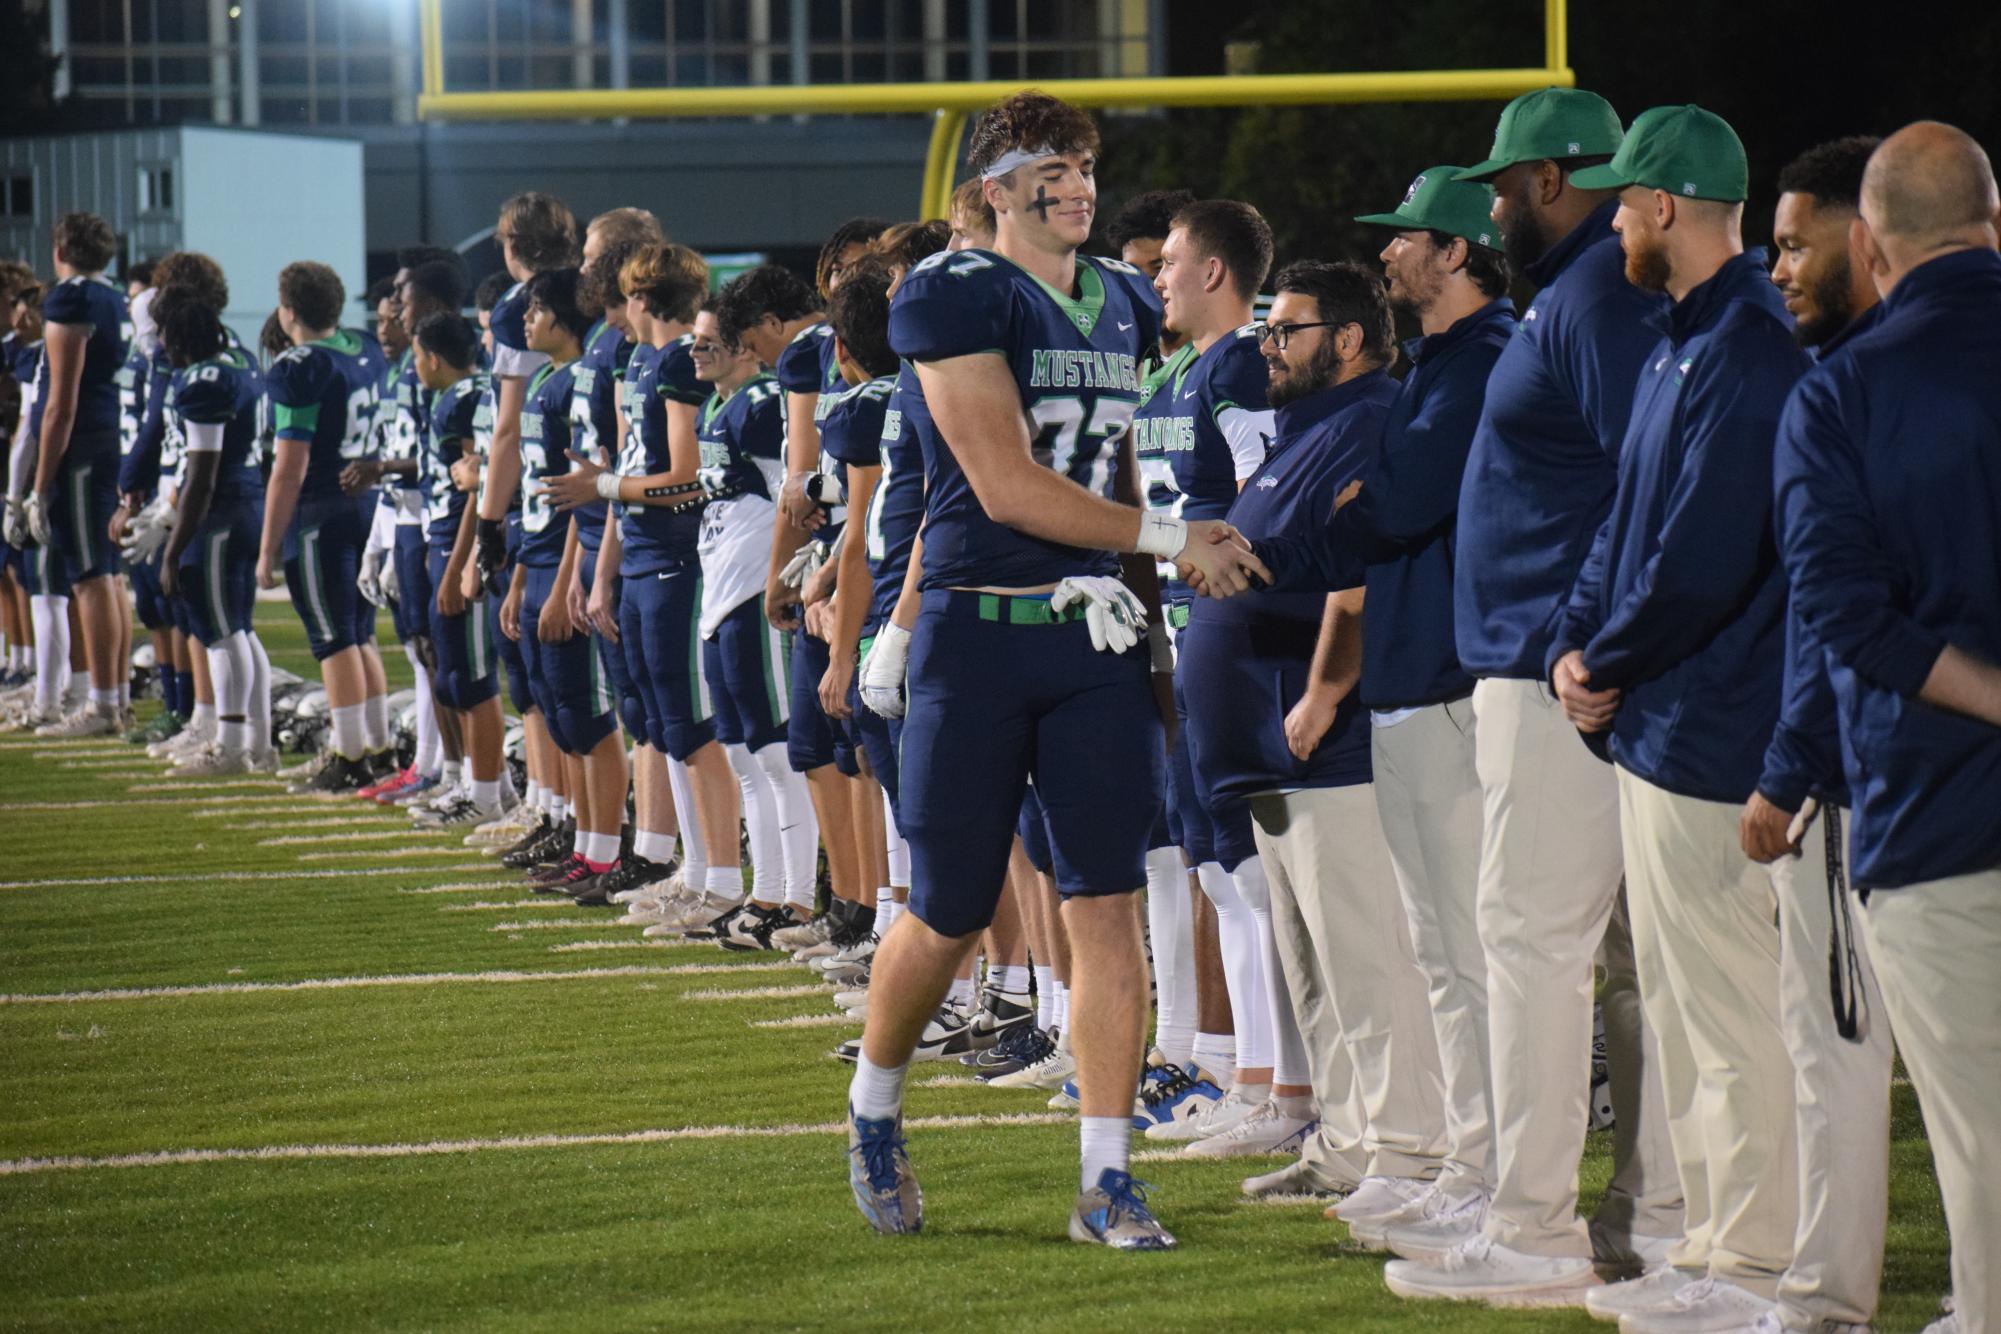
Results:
<point x="1114" y="1213"/>
<point x="879" y="1170"/>
<point x="1169" y="1094"/>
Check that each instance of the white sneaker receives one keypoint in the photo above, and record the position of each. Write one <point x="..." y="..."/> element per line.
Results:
<point x="852" y="999"/>
<point x="1450" y="1221"/>
<point x="1370" y="1231"/>
<point x="792" y="939"/>
<point x="291" y="773"/>
<point x="266" y="763"/>
<point x="1296" y="1180"/>
<point x="89" y="720"/>
<point x="1219" y="1116"/>
<point x="1047" y="1073"/>
<point x="30" y="719"/>
<point x="1485" y="1270"/>
<point x="1377" y="1198"/>
<point x="1265" y="1130"/>
<point x="1654" y="1290"/>
<point x="696" y="916"/>
<point x="1707" y="1306"/>
<point x="510" y="827"/>
<point x="211" y="762"/>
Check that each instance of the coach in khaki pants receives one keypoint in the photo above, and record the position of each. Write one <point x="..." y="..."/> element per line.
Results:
<point x="1888" y="486"/>
<point x="1673" y="642"/>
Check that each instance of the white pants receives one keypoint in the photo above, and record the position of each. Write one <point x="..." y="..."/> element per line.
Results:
<point x="1841" y="1089"/>
<point x="1354" y="981"/>
<point x="1550" y="865"/>
<point x="1706" y="934"/>
<point x="1428" y="798"/>
<point x="1937" y="948"/>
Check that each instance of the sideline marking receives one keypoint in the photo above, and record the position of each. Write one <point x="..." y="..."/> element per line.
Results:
<point x="756" y="993"/>
<point x="457" y="850"/>
<point x="176" y="1157"/>
<point x="320" y="822"/>
<point x="504" y="907"/>
<point x="269" y="785"/>
<point x="95" y="803"/>
<point x="335" y="984"/>
<point x="322" y="873"/>
<point x="810" y="1021"/>
<point x="353" y="836"/>
<point x="459" y="886"/>
<point x="579" y="923"/>
<point x="626" y="945"/>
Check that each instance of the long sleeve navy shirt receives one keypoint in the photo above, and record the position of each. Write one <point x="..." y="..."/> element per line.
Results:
<point x="1681" y="602"/>
<point x="1804" y="758"/>
<point x="1888" y="471"/>
<point x="1543" y="466"/>
<point x="1246" y="660"/>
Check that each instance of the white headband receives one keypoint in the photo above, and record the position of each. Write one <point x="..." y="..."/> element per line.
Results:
<point x="1016" y="157"/>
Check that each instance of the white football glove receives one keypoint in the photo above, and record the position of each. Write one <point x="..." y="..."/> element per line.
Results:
<point x="16" y="524"/>
<point x="147" y="531"/>
<point x="1115" y="616"/>
<point x="882" y="671"/>
<point x="805" y="563"/>
<point x="38" y="519"/>
<point x="369" y="581"/>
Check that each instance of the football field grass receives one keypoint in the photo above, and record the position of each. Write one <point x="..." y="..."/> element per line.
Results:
<point x="280" y="1063"/>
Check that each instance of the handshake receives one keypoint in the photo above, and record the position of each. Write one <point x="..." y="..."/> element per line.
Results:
<point x="1209" y="555"/>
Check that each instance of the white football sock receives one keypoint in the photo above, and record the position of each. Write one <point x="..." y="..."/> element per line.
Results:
<point x="694" y="855"/>
<point x="798" y="826"/>
<point x="1009" y="977"/>
<point x="760" y="822"/>
<point x="876" y="1092"/>
<point x="232" y="667"/>
<point x="51" y="617"/>
<point x="257" y="710"/>
<point x="350" y="731"/>
<point x="1170" y="914"/>
<point x="1105" y="1141"/>
<point x="1216" y="1053"/>
<point x="375" y="722"/>
<point x="960" y="992"/>
<point x="726" y="882"/>
<point x="1045" y="997"/>
<point x="1243" y="965"/>
<point x="899" y="851"/>
<point x="486" y="794"/>
<point x="654" y="847"/>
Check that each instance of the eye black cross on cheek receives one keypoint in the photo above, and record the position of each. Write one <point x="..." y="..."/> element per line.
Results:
<point x="1043" y="202"/>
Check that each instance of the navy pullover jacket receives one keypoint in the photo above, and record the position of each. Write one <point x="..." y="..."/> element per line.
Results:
<point x="1544" y="462"/>
<point x="1889" y="488"/>
<point x="1804" y="758"/>
<point x="1245" y="660"/>
<point x="1681" y="603"/>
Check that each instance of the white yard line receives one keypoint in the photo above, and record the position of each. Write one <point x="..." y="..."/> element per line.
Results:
<point x="754" y="993"/>
<point x="354" y="836"/>
<point x="483" y="906"/>
<point x="282" y="1152"/>
<point x="336" y="984"/>
<point x="317" y="822"/>
<point x="808" y="1021"/>
<point x="641" y="944"/>
<point x="560" y="923"/>
<point x="154" y="769"/>
<point x="456" y="850"/>
<point x="202" y="877"/>
<point x="209" y="799"/>
<point x="458" y="886"/>
<point x="263" y="805"/>
<point x="266" y="785"/>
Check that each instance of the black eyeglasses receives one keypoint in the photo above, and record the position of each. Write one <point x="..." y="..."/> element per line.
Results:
<point x="1281" y="334"/>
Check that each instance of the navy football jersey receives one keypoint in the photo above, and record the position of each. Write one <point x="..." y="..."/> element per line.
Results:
<point x="406" y="412"/>
<point x="657" y="536"/>
<point x="802" y="367"/>
<point x="131" y="382"/>
<point x="545" y="444"/>
<point x="742" y="438"/>
<point x="216" y="404"/>
<point x="451" y="426"/>
<point x="1075" y="360"/>
<point x="896" y="510"/>
<point x="325" y="395"/>
<point x="1203" y="423"/>
<point x="596" y="380"/>
<point x="99" y="304"/>
<point x="509" y="323"/>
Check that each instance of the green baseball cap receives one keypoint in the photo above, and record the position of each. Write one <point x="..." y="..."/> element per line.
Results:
<point x="1683" y="150"/>
<point x="1550" y="123"/>
<point x="1439" y="202"/>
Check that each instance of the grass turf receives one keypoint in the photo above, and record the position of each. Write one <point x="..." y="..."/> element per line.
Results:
<point x="724" y="1230"/>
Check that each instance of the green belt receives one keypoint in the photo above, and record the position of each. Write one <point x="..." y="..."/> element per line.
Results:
<point x="1024" y="611"/>
<point x="861" y="649"/>
<point x="1177" y="615"/>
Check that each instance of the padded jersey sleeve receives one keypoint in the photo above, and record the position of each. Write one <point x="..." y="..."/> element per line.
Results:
<point x="510" y="335"/>
<point x="852" y="432"/>
<point x="677" y="374"/>
<point x="1239" y="405"/>
<point x="206" y="397"/>
<point x="760" y="431"/>
<point x="1139" y="293"/>
<point x="68" y="302"/>
<point x="952" y="304"/>
<point x="798" y="368"/>
<point x="295" y="384"/>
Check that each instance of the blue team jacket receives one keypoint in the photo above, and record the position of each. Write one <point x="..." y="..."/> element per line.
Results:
<point x="1543" y="466"/>
<point x="1681" y="602"/>
<point x="1244" y="661"/>
<point x="1804" y="758"/>
<point x="1889" y="488"/>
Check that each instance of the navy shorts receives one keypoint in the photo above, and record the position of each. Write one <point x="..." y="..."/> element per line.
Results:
<point x="995" y="702"/>
<point x="410" y="568"/>
<point x="1032" y="828"/>
<point x="513" y="659"/>
<point x="879" y="737"/>
<point x="631" y="704"/>
<point x="34" y="567"/>
<point x="80" y="510"/>
<point x="149" y="603"/>
<point x="219" y="573"/>
<point x="746" y="664"/>
<point x="659" y="629"/>
<point x="812" y="739"/>
<point x="568" y="679"/>
<point x="1209" y="833"/>
<point x="464" y="646"/>
<point x="322" y="561"/>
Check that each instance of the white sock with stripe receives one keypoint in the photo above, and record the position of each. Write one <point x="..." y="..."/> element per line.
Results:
<point x="798" y="826"/>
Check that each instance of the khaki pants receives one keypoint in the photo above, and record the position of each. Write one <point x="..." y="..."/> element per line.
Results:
<point x="1428" y="798"/>
<point x="1550" y="864"/>
<point x="1706" y="934"/>
<point x="1355" y="985"/>
<point x="1937" y="948"/>
<point x="1842" y="1093"/>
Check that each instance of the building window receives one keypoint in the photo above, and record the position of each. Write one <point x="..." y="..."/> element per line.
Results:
<point x="156" y="189"/>
<point x="19" y="197"/>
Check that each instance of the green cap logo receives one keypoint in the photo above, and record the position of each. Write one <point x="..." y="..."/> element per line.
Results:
<point x="1550" y="123"/>
<point x="1438" y="201"/>
<point x="1683" y="150"/>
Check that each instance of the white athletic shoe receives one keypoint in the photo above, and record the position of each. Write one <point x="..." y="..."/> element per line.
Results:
<point x="291" y="773"/>
<point x="792" y="939"/>
<point x="1214" y="1119"/>
<point x="266" y="763"/>
<point x="510" y="826"/>
<point x="184" y="742"/>
<point x="1708" y="1306"/>
<point x="1047" y="1073"/>
<point x="697" y="915"/>
<point x="86" y="721"/>
<point x="1266" y="1130"/>
<point x="854" y="998"/>
<point x="1298" y="1180"/>
<point x="30" y="719"/>
<point x="1448" y="1220"/>
<point x="1655" y="1290"/>
<point x="1377" y="1198"/>
<point x="1484" y="1270"/>
<point x="211" y="762"/>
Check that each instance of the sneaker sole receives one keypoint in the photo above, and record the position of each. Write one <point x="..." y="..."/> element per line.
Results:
<point x="1548" y="1296"/>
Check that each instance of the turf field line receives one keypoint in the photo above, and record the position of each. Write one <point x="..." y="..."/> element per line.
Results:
<point x="627" y="945"/>
<point x="281" y="1152"/>
<point x="459" y="886"/>
<point x="219" y="785"/>
<point x="272" y="804"/>
<point x="808" y="1021"/>
<point x="755" y="993"/>
<point x="1156" y="1155"/>
<point x="318" y="821"/>
<point x="561" y="923"/>
<point x="494" y="975"/>
<point x="319" y="873"/>
<point x="483" y="906"/>
<point x="950" y="1082"/>
<point x="42" y="747"/>
<point x="105" y="760"/>
<point x="95" y="803"/>
<point x="123" y="772"/>
<point x="456" y="850"/>
<point x="352" y="836"/>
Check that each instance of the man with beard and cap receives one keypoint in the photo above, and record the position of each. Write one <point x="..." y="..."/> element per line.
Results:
<point x="1539" y="481"/>
<point x="1672" y="643"/>
<point x="1889" y="477"/>
<point x="1840" y="1044"/>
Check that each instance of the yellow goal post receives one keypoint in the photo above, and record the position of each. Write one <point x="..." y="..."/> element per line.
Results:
<point x="950" y="103"/>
